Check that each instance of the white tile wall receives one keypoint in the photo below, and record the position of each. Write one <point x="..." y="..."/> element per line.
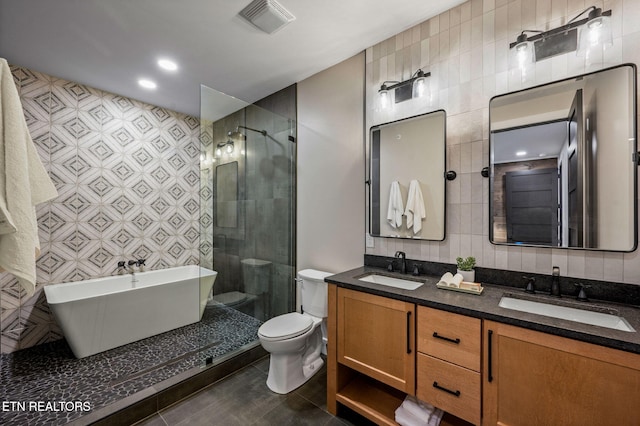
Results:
<point x="466" y="50"/>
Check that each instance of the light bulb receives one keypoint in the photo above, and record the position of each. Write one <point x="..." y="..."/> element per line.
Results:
<point x="229" y="148"/>
<point x="218" y="152"/>
<point x="384" y="98"/>
<point x="419" y="87"/>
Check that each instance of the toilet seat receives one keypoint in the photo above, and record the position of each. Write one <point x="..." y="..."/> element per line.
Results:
<point x="285" y="326"/>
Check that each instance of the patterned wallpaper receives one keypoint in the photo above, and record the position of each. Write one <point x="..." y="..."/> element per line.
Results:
<point x="466" y="50"/>
<point x="127" y="175"/>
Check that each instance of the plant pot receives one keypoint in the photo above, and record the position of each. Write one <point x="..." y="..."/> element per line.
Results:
<point x="468" y="276"/>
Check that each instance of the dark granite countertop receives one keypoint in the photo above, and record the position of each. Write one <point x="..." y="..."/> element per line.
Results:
<point x="485" y="306"/>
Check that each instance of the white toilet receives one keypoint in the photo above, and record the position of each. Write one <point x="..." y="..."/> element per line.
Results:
<point x="295" y="340"/>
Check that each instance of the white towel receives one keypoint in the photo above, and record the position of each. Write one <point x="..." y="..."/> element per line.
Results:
<point x="436" y="417"/>
<point x="404" y="418"/>
<point x="395" y="209"/>
<point x="417" y="408"/>
<point x="24" y="183"/>
<point x="415" y="210"/>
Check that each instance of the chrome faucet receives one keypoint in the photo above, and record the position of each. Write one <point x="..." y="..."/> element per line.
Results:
<point x="403" y="264"/>
<point x="555" y="282"/>
<point x="132" y="270"/>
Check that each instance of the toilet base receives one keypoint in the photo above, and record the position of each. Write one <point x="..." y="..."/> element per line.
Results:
<point x="286" y="372"/>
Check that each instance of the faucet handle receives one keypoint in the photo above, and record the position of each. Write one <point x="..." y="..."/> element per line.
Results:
<point x="416" y="270"/>
<point x="582" y="295"/>
<point x="141" y="262"/>
<point x="531" y="284"/>
<point x="121" y="264"/>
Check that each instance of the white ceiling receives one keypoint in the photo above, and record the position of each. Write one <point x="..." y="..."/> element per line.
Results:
<point x="110" y="44"/>
<point x="537" y="141"/>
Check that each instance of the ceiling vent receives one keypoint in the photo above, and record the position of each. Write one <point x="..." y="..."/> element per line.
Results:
<point x="268" y="15"/>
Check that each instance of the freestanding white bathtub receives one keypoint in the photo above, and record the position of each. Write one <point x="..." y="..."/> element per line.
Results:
<point x="104" y="313"/>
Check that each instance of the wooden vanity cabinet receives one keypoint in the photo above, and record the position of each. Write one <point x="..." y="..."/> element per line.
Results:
<point x="376" y="337"/>
<point x="533" y="378"/>
<point x="370" y="353"/>
<point x="448" y="364"/>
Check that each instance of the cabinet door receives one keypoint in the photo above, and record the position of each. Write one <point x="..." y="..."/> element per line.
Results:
<point x="533" y="378"/>
<point x="376" y="336"/>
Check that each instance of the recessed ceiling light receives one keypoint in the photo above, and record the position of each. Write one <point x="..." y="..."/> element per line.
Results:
<point x="521" y="153"/>
<point x="167" y="64"/>
<point x="147" y="84"/>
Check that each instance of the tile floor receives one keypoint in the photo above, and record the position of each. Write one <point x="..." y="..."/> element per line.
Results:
<point x="50" y="372"/>
<point x="244" y="399"/>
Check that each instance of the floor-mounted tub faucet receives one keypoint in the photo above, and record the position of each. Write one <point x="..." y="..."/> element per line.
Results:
<point x="403" y="261"/>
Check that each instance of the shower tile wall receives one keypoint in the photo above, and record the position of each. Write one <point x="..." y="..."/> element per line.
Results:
<point x="466" y="51"/>
<point x="127" y="175"/>
<point x="266" y="213"/>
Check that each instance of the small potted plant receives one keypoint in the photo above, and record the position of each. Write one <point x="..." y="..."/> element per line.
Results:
<point x="465" y="268"/>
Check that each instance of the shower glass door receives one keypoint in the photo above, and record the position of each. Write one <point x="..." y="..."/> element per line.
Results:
<point x="247" y="216"/>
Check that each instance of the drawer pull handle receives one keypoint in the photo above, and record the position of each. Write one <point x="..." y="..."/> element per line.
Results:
<point x="437" y="336"/>
<point x="454" y="393"/>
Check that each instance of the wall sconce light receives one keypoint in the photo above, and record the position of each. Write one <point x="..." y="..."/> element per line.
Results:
<point x="414" y="87"/>
<point x="595" y="32"/>
<point x="226" y="146"/>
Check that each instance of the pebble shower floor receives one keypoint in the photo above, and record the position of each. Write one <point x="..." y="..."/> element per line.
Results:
<point x="50" y="374"/>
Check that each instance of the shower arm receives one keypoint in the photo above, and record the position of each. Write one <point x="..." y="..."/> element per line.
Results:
<point x="263" y="132"/>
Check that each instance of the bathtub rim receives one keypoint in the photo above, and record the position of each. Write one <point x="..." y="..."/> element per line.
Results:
<point x="50" y="289"/>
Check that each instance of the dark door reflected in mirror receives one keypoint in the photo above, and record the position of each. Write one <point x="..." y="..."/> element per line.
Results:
<point x="563" y="163"/>
<point x="407" y="166"/>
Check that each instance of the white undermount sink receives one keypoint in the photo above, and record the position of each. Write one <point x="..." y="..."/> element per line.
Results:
<point x="391" y="281"/>
<point x="563" y="312"/>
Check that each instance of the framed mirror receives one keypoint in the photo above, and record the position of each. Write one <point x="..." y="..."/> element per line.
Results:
<point x="563" y="163"/>
<point x="406" y="176"/>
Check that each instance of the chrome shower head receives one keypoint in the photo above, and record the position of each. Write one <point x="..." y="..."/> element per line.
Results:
<point x="236" y="134"/>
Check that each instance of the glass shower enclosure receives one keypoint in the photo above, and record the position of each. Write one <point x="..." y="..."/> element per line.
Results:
<point x="247" y="215"/>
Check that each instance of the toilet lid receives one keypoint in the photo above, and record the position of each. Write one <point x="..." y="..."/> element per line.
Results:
<point x="285" y="326"/>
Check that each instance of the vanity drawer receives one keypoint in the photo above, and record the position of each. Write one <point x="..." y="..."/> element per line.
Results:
<point x="452" y="388"/>
<point x="451" y="337"/>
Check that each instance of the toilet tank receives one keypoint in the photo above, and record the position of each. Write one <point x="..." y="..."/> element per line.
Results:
<point x="313" y="292"/>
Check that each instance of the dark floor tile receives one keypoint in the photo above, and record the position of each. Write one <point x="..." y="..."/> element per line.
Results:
<point x="262" y="365"/>
<point x="315" y="390"/>
<point x="155" y="420"/>
<point x="294" y="411"/>
<point x="242" y="397"/>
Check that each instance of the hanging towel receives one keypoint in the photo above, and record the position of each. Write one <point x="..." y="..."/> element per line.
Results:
<point x="415" y="211"/>
<point x="24" y="183"/>
<point x="396" y="207"/>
